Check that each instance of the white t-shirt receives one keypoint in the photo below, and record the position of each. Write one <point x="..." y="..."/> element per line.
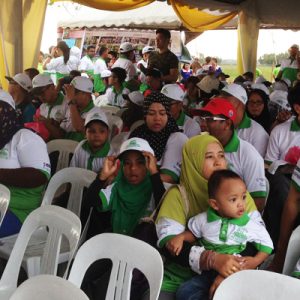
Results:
<point x="115" y="99"/>
<point x="83" y="158"/>
<point x="126" y="64"/>
<point x="170" y="162"/>
<point x="189" y="126"/>
<point x="57" y="110"/>
<point x="252" y="132"/>
<point x="244" y="160"/>
<point x="284" y="137"/>
<point x="229" y="236"/>
<point x="86" y="64"/>
<point x="57" y="64"/>
<point x="100" y="65"/>
<point x="25" y="150"/>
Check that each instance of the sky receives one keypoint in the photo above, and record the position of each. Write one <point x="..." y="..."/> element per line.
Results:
<point x="220" y="43"/>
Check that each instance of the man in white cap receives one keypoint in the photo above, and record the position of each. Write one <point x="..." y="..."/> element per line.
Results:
<point x="143" y="63"/>
<point x="247" y="129"/>
<point x="19" y="87"/>
<point x="290" y="66"/>
<point x="79" y="97"/>
<point x="126" y="59"/>
<point x="176" y="95"/>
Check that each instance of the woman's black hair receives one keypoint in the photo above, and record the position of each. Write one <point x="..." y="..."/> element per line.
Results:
<point x="65" y="50"/>
<point x="264" y="118"/>
<point x="120" y="73"/>
<point x="294" y="97"/>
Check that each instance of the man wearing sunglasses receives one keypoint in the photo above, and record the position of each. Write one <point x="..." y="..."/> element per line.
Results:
<point x="219" y="116"/>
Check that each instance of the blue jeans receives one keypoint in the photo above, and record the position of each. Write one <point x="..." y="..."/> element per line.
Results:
<point x="197" y="288"/>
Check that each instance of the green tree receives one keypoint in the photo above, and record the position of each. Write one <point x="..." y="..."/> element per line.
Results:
<point x="271" y="58"/>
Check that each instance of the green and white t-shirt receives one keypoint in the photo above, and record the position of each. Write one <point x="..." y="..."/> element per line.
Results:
<point x="127" y="65"/>
<point x="116" y="99"/>
<point x="85" y="158"/>
<point x="289" y="68"/>
<point x="57" y="110"/>
<point x="229" y="236"/>
<point x="252" y="132"/>
<point x="244" y="160"/>
<point x="100" y="65"/>
<point x="86" y="64"/>
<point x="26" y="149"/>
<point x="188" y="126"/>
<point x="170" y="163"/>
<point x="284" y="144"/>
<point x="67" y="126"/>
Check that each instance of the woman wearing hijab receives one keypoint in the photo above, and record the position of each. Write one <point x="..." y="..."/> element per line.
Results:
<point x="202" y="155"/>
<point x="133" y="194"/>
<point x="257" y="108"/>
<point x="162" y="133"/>
<point x="24" y="166"/>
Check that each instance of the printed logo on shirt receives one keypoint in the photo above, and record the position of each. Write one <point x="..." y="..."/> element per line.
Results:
<point x="46" y="167"/>
<point x="261" y="182"/>
<point x="240" y="235"/>
<point x="4" y="154"/>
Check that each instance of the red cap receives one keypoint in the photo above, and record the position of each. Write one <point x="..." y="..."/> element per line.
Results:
<point x="220" y="106"/>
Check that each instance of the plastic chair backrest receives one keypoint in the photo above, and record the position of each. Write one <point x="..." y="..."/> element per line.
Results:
<point x="126" y="254"/>
<point x="59" y="222"/>
<point x="4" y="201"/>
<point x="79" y="179"/>
<point x="116" y="124"/>
<point x="258" y="285"/>
<point x="110" y="109"/>
<point x="136" y="124"/>
<point x="65" y="148"/>
<point x="118" y="139"/>
<point x="48" y="287"/>
<point x="292" y="253"/>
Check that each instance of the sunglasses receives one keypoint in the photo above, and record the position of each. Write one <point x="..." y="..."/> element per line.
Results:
<point x="212" y="118"/>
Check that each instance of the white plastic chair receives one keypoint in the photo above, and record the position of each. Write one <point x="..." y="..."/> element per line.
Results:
<point x="79" y="179"/>
<point x="126" y="254"/>
<point x="4" y="201"/>
<point x="65" y="148"/>
<point x="54" y="220"/>
<point x="111" y="110"/>
<point x="136" y="124"/>
<point x="115" y="124"/>
<point x="258" y="285"/>
<point x="117" y="141"/>
<point x="292" y="253"/>
<point x="48" y="287"/>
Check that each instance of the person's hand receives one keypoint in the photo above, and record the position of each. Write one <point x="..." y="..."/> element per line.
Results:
<point x="215" y="285"/>
<point x="283" y="116"/>
<point x="53" y="52"/>
<point x="174" y="245"/>
<point x="151" y="162"/>
<point x="226" y="264"/>
<point x="70" y="91"/>
<point x="249" y="263"/>
<point x="110" y="167"/>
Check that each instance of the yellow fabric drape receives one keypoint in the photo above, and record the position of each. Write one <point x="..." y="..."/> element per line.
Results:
<point x="21" y="26"/>
<point x="116" y="5"/>
<point x="248" y="29"/>
<point x="197" y="20"/>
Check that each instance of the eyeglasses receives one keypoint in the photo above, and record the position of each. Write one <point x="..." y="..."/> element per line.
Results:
<point x="212" y="118"/>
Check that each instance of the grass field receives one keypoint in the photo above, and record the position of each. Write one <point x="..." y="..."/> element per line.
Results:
<point x="232" y="71"/>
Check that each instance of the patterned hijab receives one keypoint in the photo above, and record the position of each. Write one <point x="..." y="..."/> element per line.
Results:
<point x="157" y="140"/>
<point x="9" y="123"/>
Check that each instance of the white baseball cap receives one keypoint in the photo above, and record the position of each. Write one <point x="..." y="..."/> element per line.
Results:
<point x="173" y="91"/>
<point x="260" y="86"/>
<point x="280" y="98"/>
<point x="236" y="91"/>
<point x="83" y="84"/>
<point x="105" y="74"/>
<point x="96" y="114"/>
<point x="136" y="144"/>
<point x="201" y="71"/>
<point x="6" y="97"/>
<point x="287" y="81"/>
<point x="147" y="49"/>
<point x="260" y="79"/>
<point x="295" y="46"/>
<point x="39" y="81"/>
<point x="22" y="80"/>
<point x="126" y="47"/>
<point x="136" y="97"/>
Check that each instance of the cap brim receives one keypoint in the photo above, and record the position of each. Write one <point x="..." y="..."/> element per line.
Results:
<point x="9" y="78"/>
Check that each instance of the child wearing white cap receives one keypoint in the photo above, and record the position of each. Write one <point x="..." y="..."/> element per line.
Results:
<point x="19" y="87"/>
<point x="176" y="96"/>
<point x="135" y="190"/>
<point x="79" y="97"/>
<point x="91" y="152"/>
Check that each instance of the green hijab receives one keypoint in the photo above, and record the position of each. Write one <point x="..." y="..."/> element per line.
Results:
<point x="191" y="178"/>
<point x="129" y="203"/>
